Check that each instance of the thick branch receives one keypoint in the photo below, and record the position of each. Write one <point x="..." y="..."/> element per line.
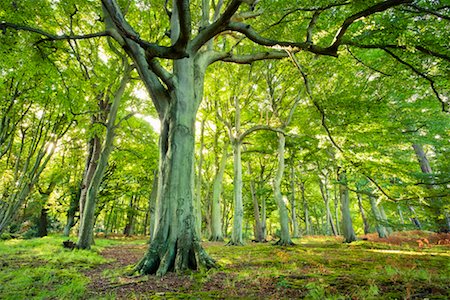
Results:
<point x="216" y="27"/>
<point x="184" y="19"/>
<point x="247" y="59"/>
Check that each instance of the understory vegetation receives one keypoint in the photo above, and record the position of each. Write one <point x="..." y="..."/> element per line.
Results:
<point x="315" y="268"/>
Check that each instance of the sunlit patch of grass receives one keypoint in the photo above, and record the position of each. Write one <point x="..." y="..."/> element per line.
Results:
<point x="42" y="268"/>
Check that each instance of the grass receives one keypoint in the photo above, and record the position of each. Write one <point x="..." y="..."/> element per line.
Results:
<point x="316" y="268"/>
<point x="43" y="269"/>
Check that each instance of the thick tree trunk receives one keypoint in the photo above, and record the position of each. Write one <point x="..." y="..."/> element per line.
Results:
<point x="285" y="238"/>
<point x="347" y="226"/>
<point x="236" y="234"/>
<point x="176" y="244"/>
<point x="363" y="214"/>
<point x="152" y="204"/>
<point x="43" y="223"/>
<point x="382" y="233"/>
<point x="216" y="220"/>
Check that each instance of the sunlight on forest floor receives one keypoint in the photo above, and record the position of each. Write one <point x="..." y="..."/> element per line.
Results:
<point x="316" y="268"/>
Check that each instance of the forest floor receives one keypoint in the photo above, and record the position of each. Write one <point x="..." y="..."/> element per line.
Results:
<point x="408" y="265"/>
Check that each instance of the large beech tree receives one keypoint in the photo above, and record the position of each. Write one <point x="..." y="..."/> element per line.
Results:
<point x="172" y="63"/>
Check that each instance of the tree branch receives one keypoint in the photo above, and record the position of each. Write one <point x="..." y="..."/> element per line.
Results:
<point x="184" y="19"/>
<point x="216" y="27"/>
<point x="246" y="59"/>
<point x="365" y="13"/>
<point x="50" y="36"/>
<point x="259" y="127"/>
<point x="424" y="76"/>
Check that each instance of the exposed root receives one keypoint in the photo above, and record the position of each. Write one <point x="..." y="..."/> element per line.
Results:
<point x="231" y="243"/>
<point x="173" y="258"/>
<point x="281" y="242"/>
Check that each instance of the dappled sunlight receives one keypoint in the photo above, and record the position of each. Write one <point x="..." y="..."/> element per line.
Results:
<point x="405" y="252"/>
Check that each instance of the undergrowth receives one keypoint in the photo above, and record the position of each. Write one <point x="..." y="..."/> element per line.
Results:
<point x="316" y="268"/>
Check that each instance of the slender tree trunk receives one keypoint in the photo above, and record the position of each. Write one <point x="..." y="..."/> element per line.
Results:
<point x="336" y="209"/>
<point x="382" y="233"/>
<point x="384" y="219"/>
<point x="129" y="226"/>
<point x="73" y="208"/>
<point x="285" y="238"/>
<point x="86" y="234"/>
<point x="325" y="195"/>
<point x="152" y="204"/>
<point x="349" y="233"/>
<point x="198" y="192"/>
<point x="216" y="221"/>
<point x="363" y="214"/>
<point x="442" y="223"/>
<point x="295" y="227"/>
<point x="414" y="218"/>
<point x="236" y="234"/>
<point x="258" y="230"/>
<point x="308" y="229"/>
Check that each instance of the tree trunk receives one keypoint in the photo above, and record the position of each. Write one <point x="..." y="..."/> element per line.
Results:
<point x="176" y="245"/>
<point x="363" y="215"/>
<point x="347" y="226"/>
<point x="152" y="204"/>
<point x="236" y="234"/>
<point x="325" y="195"/>
<point x="198" y="192"/>
<point x="86" y="234"/>
<point x="295" y="228"/>
<point x="384" y="219"/>
<point x="308" y="228"/>
<point x="43" y="223"/>
<point x="336" y="209"/>
<point x="216" y="220"/>
<point x="258" y="230"/>
<point x="382" y="233"/>
<point x="441" y="216"/>
<point x="285" y="238"/>
<point x="73" y="208"/>
<point x="129" y="226"/>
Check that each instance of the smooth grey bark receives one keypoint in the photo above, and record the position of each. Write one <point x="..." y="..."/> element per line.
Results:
<point x="308" y="228"/>
<point x="152" y="204"/>
<point x="363" y="214"/>
<point x="381" y="230"/>
<point x="198" y="191"/>
<point x="86" y="233"/>
<point x="330" y="228"/>
<point x="336" y="209"/>
<point x="236" y="234"/>
<point x="285" y="238"/>
<point x="441" y="216"/>
<point x="216" y="219"/>
<point x="347" y="226"/>
<point x="295" y="227"/>
<point x="384" y="219"/>
<point x="258" y="229"/>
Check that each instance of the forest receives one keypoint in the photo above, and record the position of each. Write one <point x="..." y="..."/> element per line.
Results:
<point x="215" y="149"/>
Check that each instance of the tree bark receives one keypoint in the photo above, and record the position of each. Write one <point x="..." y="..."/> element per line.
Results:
<point x="363" y="214"/>
<point x="308" y="229"/>
<point x="295" y="228"/>
<point x="347" y="226"/>
<point x="285" y="238"/>
<point x="86" y="234"/>
<point x="236" y="234"/>
<point x="258" y="230"/>
<point x="382" y="233"/>
<point x="216" y="219"/>
<point x="176" y="244"/>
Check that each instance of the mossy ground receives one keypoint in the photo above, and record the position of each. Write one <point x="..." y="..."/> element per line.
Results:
<point x="316" y="268"/>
